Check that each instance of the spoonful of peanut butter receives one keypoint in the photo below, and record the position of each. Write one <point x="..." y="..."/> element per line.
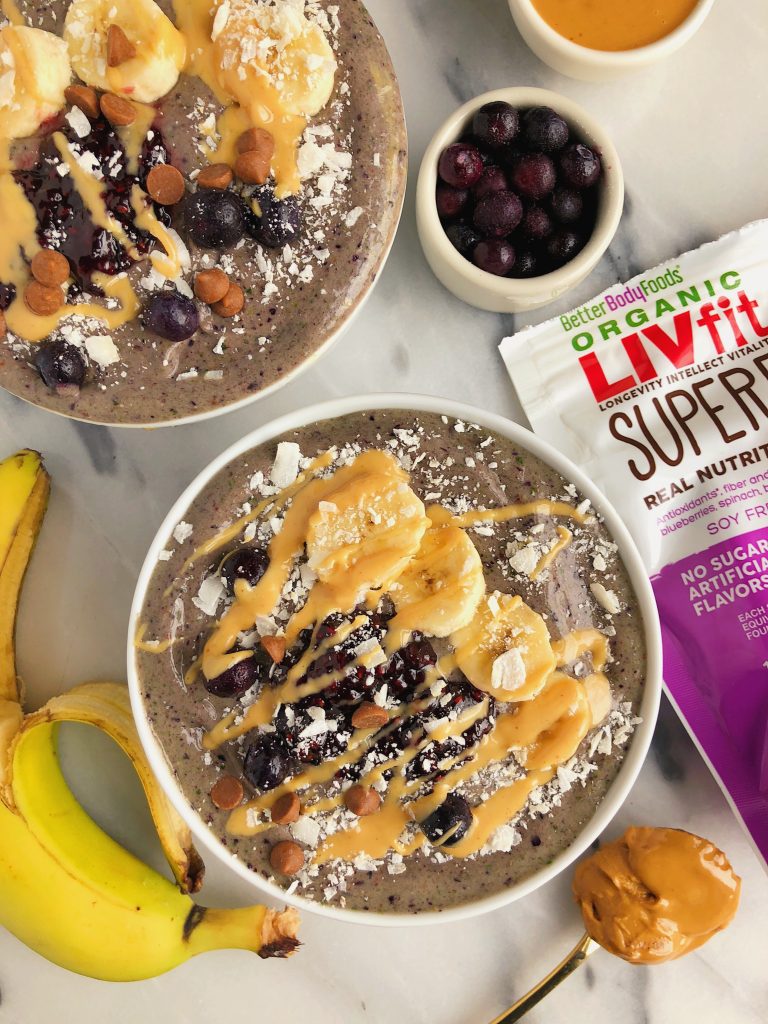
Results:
<point x="650" y="896"/>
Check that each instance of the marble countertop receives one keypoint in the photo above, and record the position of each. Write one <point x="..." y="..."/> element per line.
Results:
<point x="691" y="136"/>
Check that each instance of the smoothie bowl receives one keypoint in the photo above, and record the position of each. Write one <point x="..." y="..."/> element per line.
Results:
<point x="198" y="195"/>
<point x="392" y="657"/>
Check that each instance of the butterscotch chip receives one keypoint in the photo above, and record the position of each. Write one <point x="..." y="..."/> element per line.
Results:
<point x="85" y="97"/>
<point x="286" y="857"/>
<point x="211" y="285"/>
<point x="362" y="801"/>
<point x="165" y="184"/>
<point x="49" y="267"/>
<point x="215" y="176"/>
<point x="42" y="299"/>
<point x="369" y="716"/>
<point x="232" y="302"/>
<point x="257" y="140"/>
<point x="252" y="167"/>
<point x="119" y="47"/>
<point x="227" y="792"/>
<point x="117" y="110"/>
<point x="286" y="809"/>
<point x="275" y="647"/>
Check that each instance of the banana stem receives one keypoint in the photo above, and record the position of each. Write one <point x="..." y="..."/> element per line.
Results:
<point x="258" y="929"/>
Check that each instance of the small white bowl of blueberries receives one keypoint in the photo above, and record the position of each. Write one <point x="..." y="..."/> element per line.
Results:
<point x="520" y="193"/>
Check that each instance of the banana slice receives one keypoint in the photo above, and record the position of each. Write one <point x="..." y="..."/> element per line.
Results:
<point x="442" y="586"/>
<point x="365" y="532"/>
<point x="34" y="72"/>
<point x="506" y="650"/>
<point x="161" y="49"/>
<point x="276" y="43"/>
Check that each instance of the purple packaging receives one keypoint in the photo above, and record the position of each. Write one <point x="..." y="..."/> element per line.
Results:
<point x="658" y="389"/>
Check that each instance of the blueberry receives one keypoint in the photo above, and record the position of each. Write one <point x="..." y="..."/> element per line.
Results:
<point x="526" y="265"/>
<point x="580" y="166"/>
<point x="460" y="165"/>
<point x="267" y="762"/>
<point x="566" y="204"/>
<point x="273" y="222"/>
<point x="536" y="223"/>
<point x="244" y="563"/>
<point x="462" y="237"/>
<point x="450" y="201"/>
<point x="563" y="245"/>
<point x="496" y="124"/>
<point x="7" y="295"/>
<point x="236" y="680"/>
<point x="497" y="214"/>
<point x="544" y="130"/>
<point x="172" y="316"/>
<point x="534" y="175"/>
<point x="215" y="219"/>
<point x="495" y="256"/>
<point x="59" y="363"/>
<point x="452" y="818"/>
<point x="493" y="179"/>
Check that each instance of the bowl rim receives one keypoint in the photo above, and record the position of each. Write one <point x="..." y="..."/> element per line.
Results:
<point x="609" y="211"/>
<point x="631" y="764"/>
<point x="638" y="56"/>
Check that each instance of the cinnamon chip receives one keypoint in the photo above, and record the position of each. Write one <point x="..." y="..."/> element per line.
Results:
<point x="211" y="285"/>
<point x="275" y="647"/>
<point x="369" y="716"/>
<point x="287" y="857"/>
<point x="286" y="809"/>
<point x="257" y="140"/>
<point x="117" y="110"/>
<point x="227" y="793"/>
<point x="252" y="167"/>
<point x="119" y="47"/>
<point x="84" y="97"/>
<point x="232" y="302"/>
<point x="42" y="300"/>
<point x="215" y="176"/>
<point x="50" y="268"/>
<point x="165" y="184"/>
<point x="362" y="801"/>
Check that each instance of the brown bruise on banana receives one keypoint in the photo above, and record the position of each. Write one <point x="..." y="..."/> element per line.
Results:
<point x="543" y="721"/>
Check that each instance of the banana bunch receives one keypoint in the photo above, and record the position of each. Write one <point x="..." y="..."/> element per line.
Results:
<point x="66" y="888"/>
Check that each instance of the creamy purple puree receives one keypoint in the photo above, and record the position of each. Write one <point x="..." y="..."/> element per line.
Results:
<point x="299" y="290"/>
<point x="491" y="750"/>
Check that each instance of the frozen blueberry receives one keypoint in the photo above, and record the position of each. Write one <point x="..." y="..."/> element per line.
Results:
<point x="536" y="223"/>
<point x="243" y="563"/>
<point x="236" y="680"/>
<point x="497" y="214"/>
<point x="267" y="762"/>
<point x="495" y="256"/>
<point x="462" y="237"/>
<point x="215" y="219"/>
<point x="59" y="364"/>
<point x="493" y="179"/>
<point x="544" y="130"/>
<point x="579" y="165"/>
<point x="566" y="205"/>
<point x="172" y="316"/>
<point x="450" y="201"/>
<point x="273" y="222"/>
<point x="526" y="264"/>
<point x="534" y="175"/>
<point x="460" y="165"/>
<point x="563" y="245"/>
<point x="452" y="818"/>
<point x="496" y="124"/>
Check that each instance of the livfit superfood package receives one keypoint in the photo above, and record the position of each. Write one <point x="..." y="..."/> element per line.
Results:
<point x="658" y="390"/>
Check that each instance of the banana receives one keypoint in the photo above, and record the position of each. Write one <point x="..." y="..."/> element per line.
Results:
<point x="67" y="889"/>
<point x="161" y="50"/>
<point x="506" y="649"/>
<point x="440" y="589"/>
<point x="34" y="72"/>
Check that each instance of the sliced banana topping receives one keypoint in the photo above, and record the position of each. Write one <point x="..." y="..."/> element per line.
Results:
<point x="34" y="72"/>
<point x="506" y="649"/>
<point x="160" y="49"/>
<point x="442" y="586"/>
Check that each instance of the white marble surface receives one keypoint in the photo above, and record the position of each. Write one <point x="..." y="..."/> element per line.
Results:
<point x="691" y="135"/>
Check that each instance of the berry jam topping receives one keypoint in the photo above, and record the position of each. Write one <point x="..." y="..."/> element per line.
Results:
<point x="544" y="130"/>
<point x="496" y="124"/>
<point x="64" y="223"/>
<point x="215" y="219"/>
<point x="7" y="295"/>
<point x="59" y="364"/>
<point x="244" y="563"/>
<point x="449" y="823"/>
<point x="460" y="165"/>
<point x="273" y="222"/>
<point x="171" y="315"/>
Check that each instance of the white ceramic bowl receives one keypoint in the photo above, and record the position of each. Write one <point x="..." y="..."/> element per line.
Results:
<point x="631" y="764"/>
<point x="507" y="294"/>
<point x="598" y="65"/>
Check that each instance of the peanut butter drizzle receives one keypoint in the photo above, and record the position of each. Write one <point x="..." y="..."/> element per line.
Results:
<point x="655" y="894"/>
<point x="151" y="646"/>
<point x="168" y="262"/>
<point x="541" y="507"/>
<point x="564" y="538"/>
<point x="580" y="642"/>
<point x="133" y="136"/>
<point x="12" y="12"/>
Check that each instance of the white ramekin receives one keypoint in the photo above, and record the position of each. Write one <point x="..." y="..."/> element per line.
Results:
<point x="630" y="766"/>
<point x="508" y="294"/>
<point x="598" y="65"/>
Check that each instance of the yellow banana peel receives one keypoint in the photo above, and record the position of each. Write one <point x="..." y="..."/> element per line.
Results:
<point x="67" y="889"/>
